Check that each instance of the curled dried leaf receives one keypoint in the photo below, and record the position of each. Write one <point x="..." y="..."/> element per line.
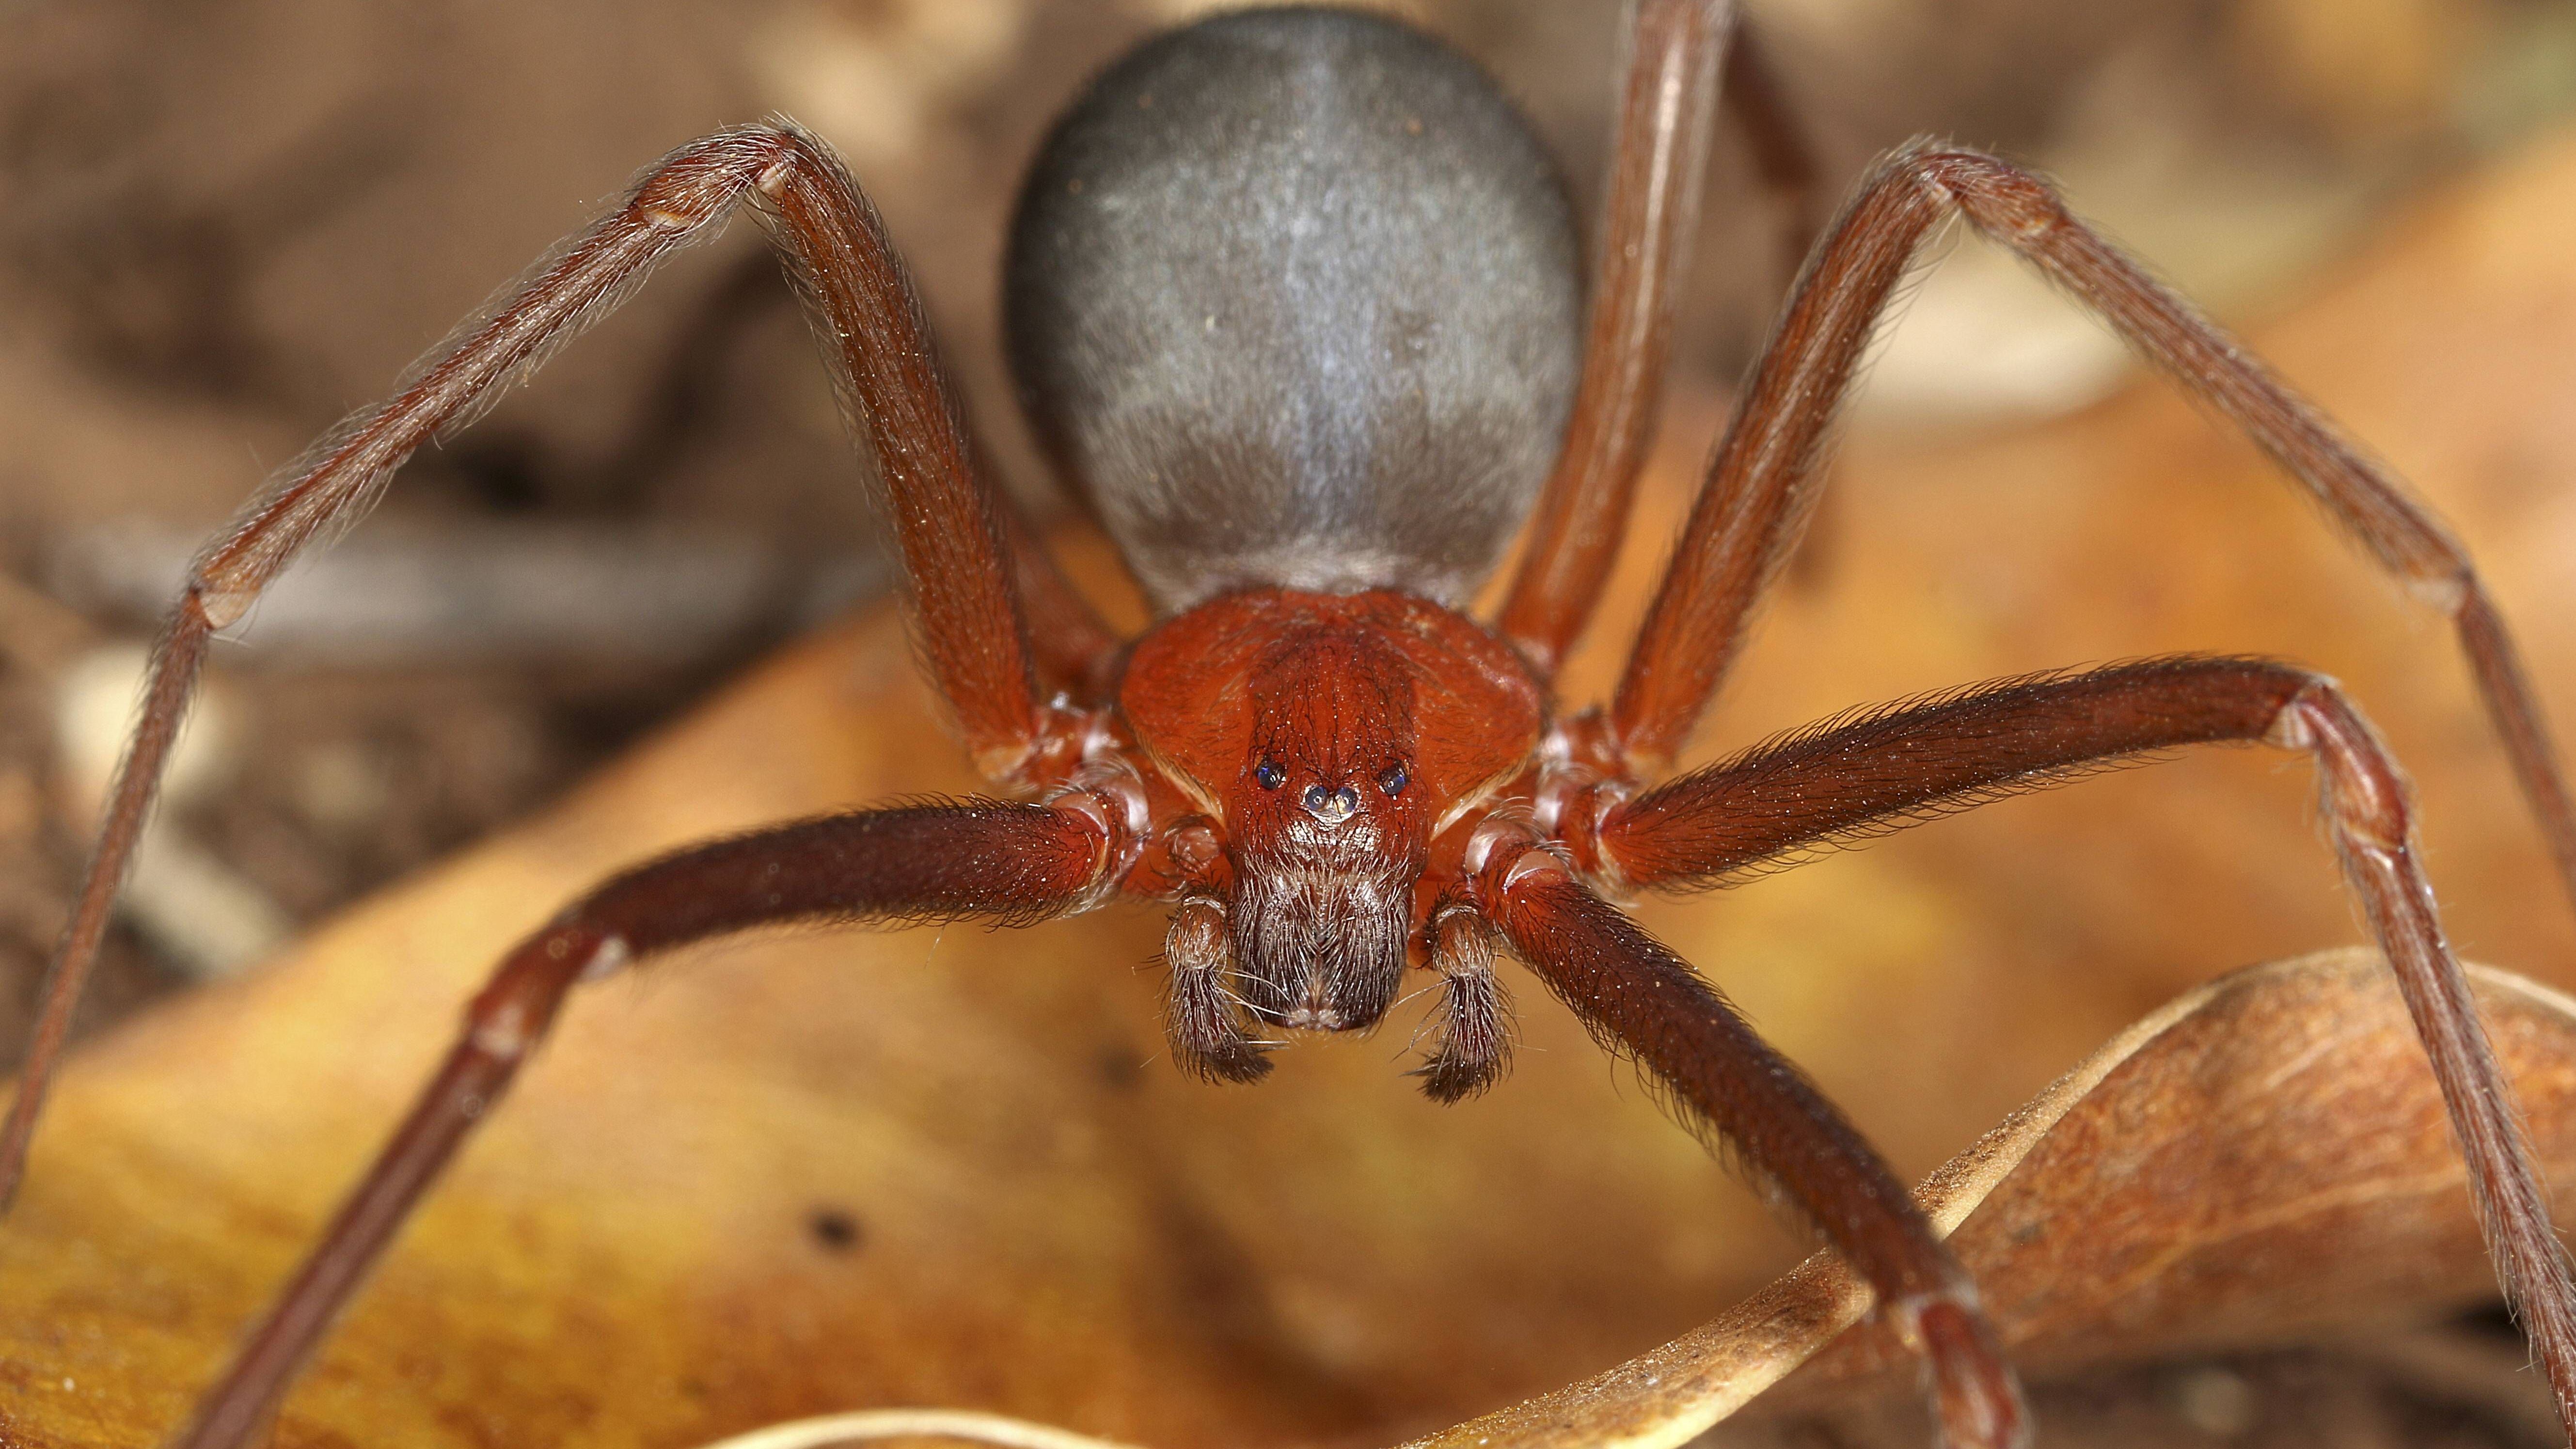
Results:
<point x="2264" y="1157"/>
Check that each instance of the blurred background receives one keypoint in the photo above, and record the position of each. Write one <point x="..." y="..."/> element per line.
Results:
<point x="228" y="222"/>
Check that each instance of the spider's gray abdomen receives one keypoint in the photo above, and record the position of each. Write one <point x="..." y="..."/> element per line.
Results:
<point x="1293" y="295"/>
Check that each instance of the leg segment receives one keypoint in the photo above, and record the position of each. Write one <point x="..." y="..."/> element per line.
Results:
<point x="1763" y="481"/>
<point x="1003" y="862"/>
<point x="1658" y="159"/>
<point x="1637" y="996"/>
<point x="1683" y="55"/>
<point x="950" y="528"/>
<point x="1891" y="768"/>
<point x="173" y="680"/>
<point x="1881" y="770"/>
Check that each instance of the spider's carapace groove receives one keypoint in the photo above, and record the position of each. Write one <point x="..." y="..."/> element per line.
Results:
<point x="1295" y="304"/>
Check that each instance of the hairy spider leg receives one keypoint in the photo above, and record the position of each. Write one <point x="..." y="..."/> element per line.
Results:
<point x="1007" y="863"/>
<point x="1766" y="474"/>
<point x="1897" y="766"/>
<point x="954" y="533"/>
<point x="1637" y="997"/>
<point x="1649" y="215"/>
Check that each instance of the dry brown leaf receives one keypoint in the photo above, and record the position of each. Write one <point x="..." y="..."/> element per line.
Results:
<point x="819" y="1171"/>
<point x="2265" y="1157"/>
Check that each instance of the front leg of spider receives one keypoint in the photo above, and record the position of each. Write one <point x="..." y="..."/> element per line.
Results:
<point x="990" y="861"/>
<point x="1012" y="863"/>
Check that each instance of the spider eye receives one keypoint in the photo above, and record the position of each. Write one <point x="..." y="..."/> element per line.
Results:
<point x="1393" y="779"/>
<point x="1269" y="776"/>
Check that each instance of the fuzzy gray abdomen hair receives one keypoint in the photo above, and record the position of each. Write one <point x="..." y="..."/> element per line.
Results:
<point x="1293" y="296"/>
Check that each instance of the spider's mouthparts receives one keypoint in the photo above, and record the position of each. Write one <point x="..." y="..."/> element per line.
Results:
<point x="1319" y="950"/>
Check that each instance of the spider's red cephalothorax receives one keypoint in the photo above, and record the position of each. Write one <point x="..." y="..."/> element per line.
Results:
<point x="1326" y="739"/>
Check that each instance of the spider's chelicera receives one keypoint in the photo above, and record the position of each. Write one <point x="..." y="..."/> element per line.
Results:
<point x="1294" y="303"/>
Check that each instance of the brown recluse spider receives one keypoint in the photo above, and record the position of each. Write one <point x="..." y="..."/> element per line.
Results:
<point x="1294" y="302"/>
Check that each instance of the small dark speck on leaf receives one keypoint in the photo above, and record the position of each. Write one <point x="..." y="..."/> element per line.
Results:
<point x="835" y="1230"/>
<point x="1120" y="1070"/>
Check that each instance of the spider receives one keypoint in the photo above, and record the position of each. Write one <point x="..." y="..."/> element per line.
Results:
<point x="1295" y="304"/>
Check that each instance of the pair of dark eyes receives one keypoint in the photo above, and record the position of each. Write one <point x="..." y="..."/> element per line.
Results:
<point x="1392" y="779"/>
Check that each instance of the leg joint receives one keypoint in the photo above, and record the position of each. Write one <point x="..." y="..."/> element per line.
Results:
<point x="512" y="1012"/>
<point x="2366" y="794"/>
<point x="1505" y="854"/>
<point x="700" y="182"/>
<point x="1998" y="198"/>
<point x="1108" y="794"/>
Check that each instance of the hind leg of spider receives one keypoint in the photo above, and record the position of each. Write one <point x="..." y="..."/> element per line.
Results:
<point x="1767" y="472"/>
<point x="1686" y="60"/>
<point x="1905" y="763"/>
<point x="1001" y="862"/>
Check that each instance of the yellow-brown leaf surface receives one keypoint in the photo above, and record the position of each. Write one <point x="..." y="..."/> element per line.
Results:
<point x="2194" y="1185"/>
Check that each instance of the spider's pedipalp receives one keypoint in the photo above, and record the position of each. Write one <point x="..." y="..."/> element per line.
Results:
<point x="1471" y="1046"/>
<point x="1203" y="1017"/>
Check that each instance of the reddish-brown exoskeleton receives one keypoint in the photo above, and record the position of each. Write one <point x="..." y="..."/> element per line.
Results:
<point x="1307" y="332"/>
